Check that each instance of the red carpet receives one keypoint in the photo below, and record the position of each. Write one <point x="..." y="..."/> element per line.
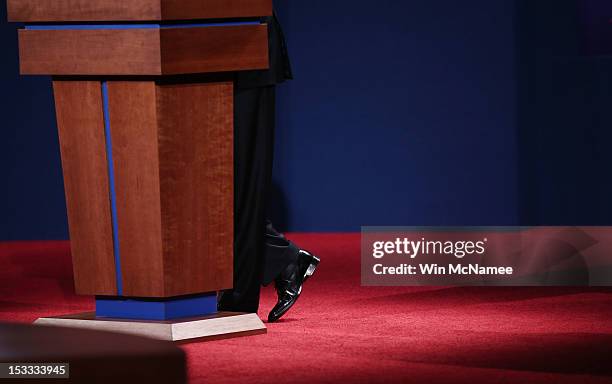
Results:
<point x="339" y="332"/>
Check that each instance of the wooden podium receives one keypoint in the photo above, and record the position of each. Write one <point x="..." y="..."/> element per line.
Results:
<point x="144" y="101"/>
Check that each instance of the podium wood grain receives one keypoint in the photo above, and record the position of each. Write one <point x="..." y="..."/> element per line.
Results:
<point x="133" y="10"/>
<point x="82" y="145"/>
<point x="143" y="51"/>
<point x="173" y="161"/>
<point x="196" y="185"/>
<point x="133" y="123"/>
<point x="214" y="9"/>
<point x="89" y="52"/>
<point x="82" y="10"/>
<point x="172" y="147"/>
<point x="229" y="48"/>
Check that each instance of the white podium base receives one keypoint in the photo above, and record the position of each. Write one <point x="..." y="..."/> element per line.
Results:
<point x="218" y="326"/>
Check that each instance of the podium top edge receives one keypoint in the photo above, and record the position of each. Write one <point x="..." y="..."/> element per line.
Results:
<point x="59" y="11"/>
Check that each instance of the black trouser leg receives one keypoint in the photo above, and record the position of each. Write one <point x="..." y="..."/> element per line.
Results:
<point x="278" y="254"/>
<point x="253" y="150"/>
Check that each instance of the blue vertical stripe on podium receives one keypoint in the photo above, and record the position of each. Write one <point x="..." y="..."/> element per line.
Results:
<point x="111" y="183"/>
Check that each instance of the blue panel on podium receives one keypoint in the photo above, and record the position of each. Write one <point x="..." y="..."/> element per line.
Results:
<point x="150" y="309"/>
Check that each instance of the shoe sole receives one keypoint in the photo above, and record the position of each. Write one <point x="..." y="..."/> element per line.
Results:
<point x="312" y="267"/>
<point x="309" y="271"/>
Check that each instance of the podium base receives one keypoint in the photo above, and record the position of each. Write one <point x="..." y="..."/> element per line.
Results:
<point x="218" y="326"/>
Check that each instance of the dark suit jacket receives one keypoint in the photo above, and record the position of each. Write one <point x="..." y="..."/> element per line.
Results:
<point x="280" y="67"/>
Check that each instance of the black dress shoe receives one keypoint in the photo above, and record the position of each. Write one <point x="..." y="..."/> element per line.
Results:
<point x="289" y="283"/>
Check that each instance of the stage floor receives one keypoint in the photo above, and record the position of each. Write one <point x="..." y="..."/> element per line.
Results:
<point x="339" y="332"/>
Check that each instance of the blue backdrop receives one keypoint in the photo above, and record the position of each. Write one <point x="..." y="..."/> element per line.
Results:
<point x="434" y="112"/>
